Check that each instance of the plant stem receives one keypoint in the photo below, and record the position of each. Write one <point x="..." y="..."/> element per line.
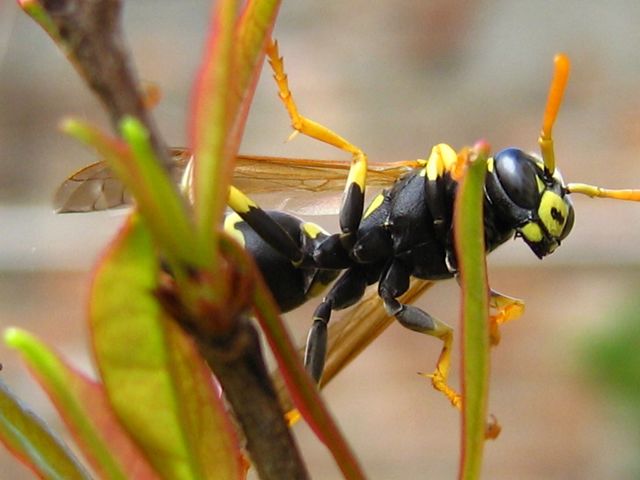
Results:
<point x="239" y="366"/>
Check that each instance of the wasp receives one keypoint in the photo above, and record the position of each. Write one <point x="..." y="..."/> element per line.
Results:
<point x="406" y="230"/>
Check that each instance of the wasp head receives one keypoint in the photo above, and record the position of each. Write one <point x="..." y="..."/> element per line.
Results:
<point x="533" y="201"/>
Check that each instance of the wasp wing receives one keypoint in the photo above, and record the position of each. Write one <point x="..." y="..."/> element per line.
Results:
<point x="286" y="183"/>
<point x="95" y="188"/>
<point x="255" y="174"/>
<point x="91" y="189"/>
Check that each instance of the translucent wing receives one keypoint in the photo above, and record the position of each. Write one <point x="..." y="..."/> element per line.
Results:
<point x="91" y="189"/>
<point x="254" y="174"/>
<point x="95" y="188"/>
<point x="307" y="186"/>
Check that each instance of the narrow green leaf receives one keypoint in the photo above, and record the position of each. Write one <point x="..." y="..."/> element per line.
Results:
<point x="222" y="96"/>
<point x="470" y="250"/>
<point x="30" y="440"/>
<point x="83" y="405"/>
<point x="211" y="120"/>
<point x="252" y="33"/>
<point x="303" y="391"/>
<point x="36" y="11"/>
<point x="156" y="197"/>
<point x="157" y="384"/>
<point x="158" y="200"/>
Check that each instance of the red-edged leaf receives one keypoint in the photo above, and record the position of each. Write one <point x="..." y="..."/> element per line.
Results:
<point x="252" y="34"/>
<point x="83" y="406"/>
<point x="35" y="10"/>
<point x="221" y="98"/>
<point x="155" y="193"/>
<point x="210" y="124"/>
<point x="303" y="391"/>
<point x="156" y="382"/>
<point x="30" y="440"/>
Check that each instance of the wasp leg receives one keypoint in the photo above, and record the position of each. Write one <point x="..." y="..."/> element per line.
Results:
<point x="353" y="198"/>
<point x="507" y="309"/>
<point x="265" y="226"/>
<point x="345" y="292"/>
<point x="394" y="283"/>
<point x="442" y="161"/>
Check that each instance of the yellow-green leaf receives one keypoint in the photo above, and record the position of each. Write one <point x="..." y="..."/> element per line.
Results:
<point x="30" y="440"/>
<point x="157" y="384"/>
<point x="83" y="406"/>
<point x="155" y="194"/>
<point x="470" y="252"/>
<point x="222" y="95"/>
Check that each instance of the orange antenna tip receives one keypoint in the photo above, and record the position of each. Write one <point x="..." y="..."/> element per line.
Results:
<point x="562" y="65"/>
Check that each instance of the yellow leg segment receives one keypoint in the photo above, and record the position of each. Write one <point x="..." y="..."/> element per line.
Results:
<point x="506" y="309"/>
<point x="302" y="124"/>
<point x="440" y="375"/>
<point x="238" y="201"/>
<point x="265" y="226"/>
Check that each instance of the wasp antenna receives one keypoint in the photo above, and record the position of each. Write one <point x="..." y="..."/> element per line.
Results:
<point x="599" y="192"/>
<point x="556" y="91"/>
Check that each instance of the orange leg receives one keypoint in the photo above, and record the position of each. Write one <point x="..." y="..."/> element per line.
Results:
<point x="505" y="309"/>
<point x="353" y="199"/>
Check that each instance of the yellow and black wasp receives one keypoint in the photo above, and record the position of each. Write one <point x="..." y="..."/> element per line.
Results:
<point x="406" y="231"/>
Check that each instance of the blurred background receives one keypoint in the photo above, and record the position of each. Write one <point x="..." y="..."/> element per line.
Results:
<point x="394" y="77"/>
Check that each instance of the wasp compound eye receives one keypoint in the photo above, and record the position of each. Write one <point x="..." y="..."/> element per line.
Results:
<point x="519" y="177"/>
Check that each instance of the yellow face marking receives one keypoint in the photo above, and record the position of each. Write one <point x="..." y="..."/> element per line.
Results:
<point x="490" y="164"/>
<point x="312" y="230"/>
<point x="238" y="201"/>
<point x="230" y="223"/>
<point x="553" y="212"/>
<point x="540" y="184"/>
<point x="375" y="203"/>
<point x="442" y="159"/>
<point x="532" y="232"/>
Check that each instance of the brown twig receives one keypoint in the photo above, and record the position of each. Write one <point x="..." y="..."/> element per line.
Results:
<point x="90" y="33"/>
<point x="231" y="347"/>
<point x="240" y="367"/>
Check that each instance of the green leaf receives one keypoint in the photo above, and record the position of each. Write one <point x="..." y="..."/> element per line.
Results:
<point x="36" y="11"/>
<point x="211" y="120"/>
<point x="470" y="251"/>
<point x="83" y="405"/>
<point x="155" y="194"/>
<point x="252" y="34"/>
<point x="253" y="31"/>
<point x="304" y="393"/>
<point x="29" y="439"/>
<point x="222" y="96"/>
<point x="157" y="384"/>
